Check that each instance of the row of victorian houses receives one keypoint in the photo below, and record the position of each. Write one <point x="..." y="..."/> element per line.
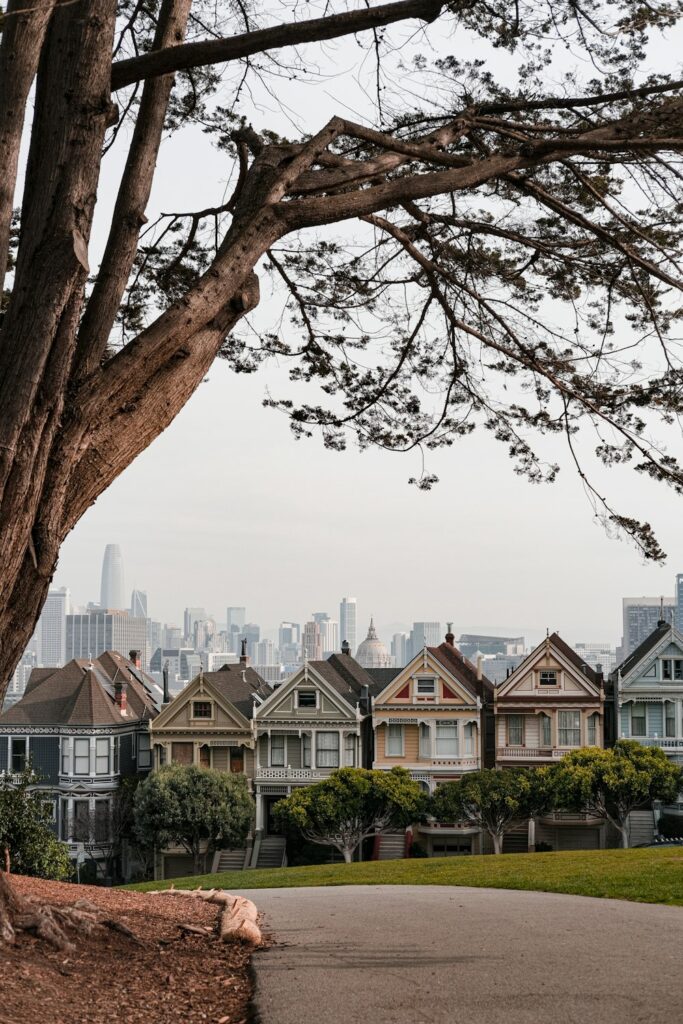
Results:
<point x="88" y="725"/>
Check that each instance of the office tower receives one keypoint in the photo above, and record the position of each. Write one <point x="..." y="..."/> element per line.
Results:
<point x="190" y="616"/>
<point x="598" y="654"/>
<point x="423" y="634"/>
<point x="640" y="618"/>
<point x="312" y="648"/>
<point x="203" y="634"/>
<point x="679" y="602"/>
<point x="264" y="653"/>
<point x="472" y="644"/>
<point x="251" y="632"/>
<point x="138" y="604"/>
<point x="329" y="632"/>
<point x="111" y="591"/>
<point x="92" y="633"/>
<point x="51" y="647"/>
<point x="172" y="636"/>
<point x="399" y="643"/>
<point x="19" y="679"/>
<point x="347" y="622"/>
<point x="235" y="617"/>
<point x="289" y="633"/>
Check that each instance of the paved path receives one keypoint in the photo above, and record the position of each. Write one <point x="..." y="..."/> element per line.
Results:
<point x="442" y="955"/>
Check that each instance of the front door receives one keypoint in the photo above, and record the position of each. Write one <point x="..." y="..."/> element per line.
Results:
<point x="236" y="759"/>
<point x="273" y="827"/>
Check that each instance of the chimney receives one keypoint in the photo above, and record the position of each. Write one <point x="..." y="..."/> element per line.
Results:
<point x="244" y="657"/>
<point x="120" y="697"/>
<point x="167" y="698"/>
<point x="346" y="647"/>
<point x="450" y="638"/>
<point x="479" y="661"/>
<point x="134" y="656"/>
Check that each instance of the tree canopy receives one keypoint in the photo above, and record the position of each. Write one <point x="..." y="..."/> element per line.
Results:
<point x="494" y="241"/>
<point x="28" y="844"/>
<point x="351" y="805"/>
<point x="196" y="808"/>
<point x="612" y="783"/>
<point x="496" y="800"/>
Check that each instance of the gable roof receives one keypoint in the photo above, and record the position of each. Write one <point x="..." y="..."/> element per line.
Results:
<point x="237" y="684"/>
<point x="658" y="634"/>
<point x="83" y="693"/>
<point x="345" y="675"/>
<point x="463" y="670"/>
<point x="576" y="659"/>
<point x="381" y="677"/>
<point x="563" y="652"/>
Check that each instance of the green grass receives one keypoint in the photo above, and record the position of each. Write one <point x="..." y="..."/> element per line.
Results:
<point x="646" y="876"/>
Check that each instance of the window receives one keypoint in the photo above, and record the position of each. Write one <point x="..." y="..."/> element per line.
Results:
<point x="117" y="752"/>
<point x="394" y="744"/>
<point x="426" y="686"/>
<point x="81" y="821"/>
<point x="569" y="728"/>
<point x="204" y="756"/>
<point x="468" y="733"/>
<point x="64" y="821"/>
<point x="666" y="668"/>
<point x="350" y="749"/>
<point x="159" y="754"/>
<point x="546" y="740"/>
<point x="306" y="749"/>
<point x="327" y="749"/>
<point x="548" y="678"/>
<point x="277" y="751"/>
<point x="446" y="739"/>
<point x="592" y="730"/>
<point x="425" y="741"/>
<point x="65" y="757"/>
<point x="678" y="669"/>
<point x="638" y="725"/>
<point x="144" y="751"/>
<point x="306" y="699"/>
<point x="670" y="720"/>
<point x="18" y="754"/>
<point x="81" y="757"/>
<point x="102" y="755"/>
<point x="102" y="820"/>
<point x="515" y="730"/>
<point x="201" y="709"/>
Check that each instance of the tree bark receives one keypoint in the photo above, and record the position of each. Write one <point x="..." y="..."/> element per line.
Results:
<point x="347" y="853"/>
<point x="497" y="842"/>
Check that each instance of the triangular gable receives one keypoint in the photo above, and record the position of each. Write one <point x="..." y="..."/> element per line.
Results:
<point x="169" y="715"/>
<point x="311" y="679"/>
<point x="519" y="679"/>
<point x="424" y="663"/>
<point x="670" y="646"/>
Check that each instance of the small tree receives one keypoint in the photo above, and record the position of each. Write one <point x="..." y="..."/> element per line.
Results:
<point x="495" y="800"/>
<point x="611" y="783"/>
<point x="352" y="804"/>
<point x="194" y="808"/>
<point x="27" y="842"/>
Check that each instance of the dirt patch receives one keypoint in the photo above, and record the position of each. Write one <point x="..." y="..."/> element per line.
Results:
<point x="173" y="975"/>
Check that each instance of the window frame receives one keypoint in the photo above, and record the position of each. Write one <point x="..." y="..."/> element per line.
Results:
<point x="350" y="750"/>
<point x="65" y="756"/>
<point x="326" y="750"/>
<point x="422" y="681"/>
<point x="194" y="717"/>
<point x="99" y="741"/>
<point x="509" y="720"/>
<point x="549" y="672"/>
<point x="545" y="732"/>
<point x="144" y="750"/>
<point x="76" y="835"/>
<point x="306" y="750"/>
<point x="667" y="670"/>
<point x="81" y="757"/>
<point x="18" y="769"/>
<point x="669" y="719"/>
<point x="395" y="731"/>
<point x="279" y="736"/>
<point x="640" y="706"/>
<point x="592" y="728"/>
<point x="576" y="728"/>
<point x="440" y="740"/>
<point x="424" y="742"/>
<point x="306" y="693"/>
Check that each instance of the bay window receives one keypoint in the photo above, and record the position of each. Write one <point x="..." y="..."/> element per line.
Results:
<point x="102" y="755"/>
<point x="81" y="757"/>
<point x="327" y="749"/>
<point x="446" y="739"/>
<point x="569" y="727"/>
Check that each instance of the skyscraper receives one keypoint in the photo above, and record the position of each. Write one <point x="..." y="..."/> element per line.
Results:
<point x="111" y="591"/>
<point x="138" y="604"/>
<point x="52" y="645"/>
<point x="641" y="615"/>
<point x="329" y="632"/>
<point x="92" y="633"/>
<point x="190" y="616"/>
<point x="423" y="634"/>
<point x="235" y="617"/>
<point x="679" y="602"/>
<point x="311" y="641"/>
<point x="398" y="649"/>
<point x="347" y="622"/>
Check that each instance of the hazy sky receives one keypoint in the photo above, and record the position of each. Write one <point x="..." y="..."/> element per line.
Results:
<point x="227" y="509"/>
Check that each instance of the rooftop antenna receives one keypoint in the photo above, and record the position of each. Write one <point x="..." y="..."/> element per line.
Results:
<point x="90" y="664"/>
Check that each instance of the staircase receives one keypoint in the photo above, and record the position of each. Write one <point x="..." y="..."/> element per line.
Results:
<point x="641" y="828"/>
<point x="392" y="846"/>
<point x="272" y="852"/>
<point x="230" y="860"/>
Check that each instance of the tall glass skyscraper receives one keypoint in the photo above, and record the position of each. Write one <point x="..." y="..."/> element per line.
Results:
<point x="111" y="591"/>
<point x="347" y="623"/>
<point x="679" y="602"/>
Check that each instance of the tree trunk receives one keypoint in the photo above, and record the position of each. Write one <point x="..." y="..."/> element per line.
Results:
<point x="347" y="853"/>
<point x="497" y="842"/>
<point x="625" y="837"/>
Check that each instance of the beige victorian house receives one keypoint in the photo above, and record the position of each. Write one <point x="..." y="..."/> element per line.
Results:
<point x="209" y="724"/>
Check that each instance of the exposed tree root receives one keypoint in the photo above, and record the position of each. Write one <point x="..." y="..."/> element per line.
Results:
<point x="56" y="925"/>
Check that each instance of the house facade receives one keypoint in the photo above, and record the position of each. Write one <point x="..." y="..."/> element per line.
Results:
<point x="551" y="704"/>
<point x="315" y="722"/>
<point x="83" y="728"/>
<point x="434" y="719"/>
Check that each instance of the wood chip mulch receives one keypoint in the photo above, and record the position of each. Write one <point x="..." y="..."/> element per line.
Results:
<point x="172" y="975"/>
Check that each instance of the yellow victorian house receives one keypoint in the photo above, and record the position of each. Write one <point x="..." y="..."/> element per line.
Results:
<point x="435" y="720"/>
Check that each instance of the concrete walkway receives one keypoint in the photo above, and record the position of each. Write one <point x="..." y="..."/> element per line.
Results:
<point x="442" y="955"/>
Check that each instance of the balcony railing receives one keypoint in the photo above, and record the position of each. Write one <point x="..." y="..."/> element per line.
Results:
<point x="665" y="742"/>
<point x="526" y="752"/>
<point x="292" y="774"/>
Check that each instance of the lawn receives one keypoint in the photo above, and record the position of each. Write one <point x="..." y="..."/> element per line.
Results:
<point x="645" y="875"/>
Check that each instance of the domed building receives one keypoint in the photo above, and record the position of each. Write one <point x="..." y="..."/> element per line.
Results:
<point x="371" y="652"/>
